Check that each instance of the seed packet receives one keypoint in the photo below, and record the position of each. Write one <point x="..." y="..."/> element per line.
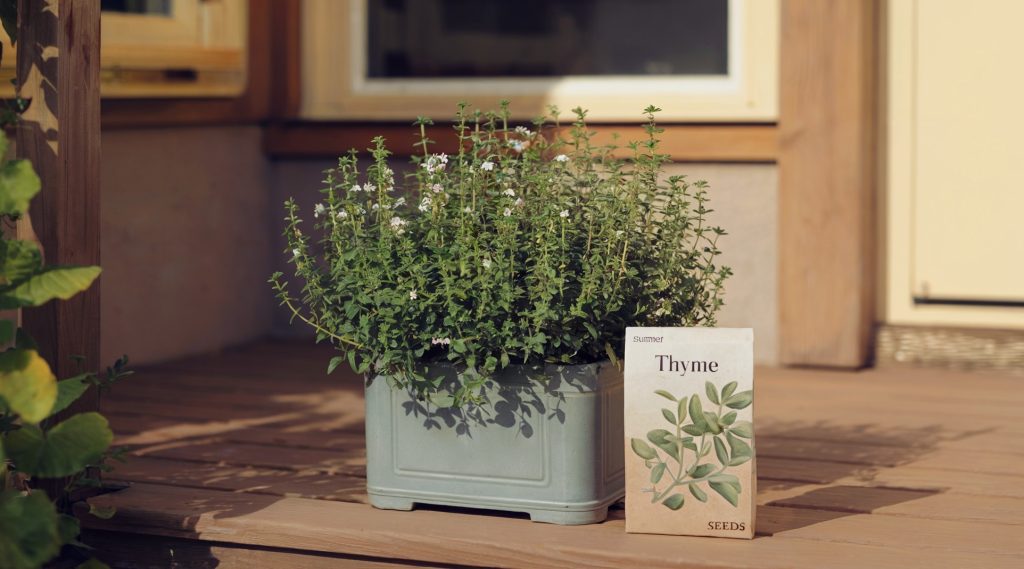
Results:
<point x="689" y="431"/>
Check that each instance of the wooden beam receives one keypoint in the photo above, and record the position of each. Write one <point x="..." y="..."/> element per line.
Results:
<point x="827" y="143"/>
<point x="683" y="142"/>
<point x="252" y="107"/>
<point x="58" y="72"/>
<point x="286" y="60"/>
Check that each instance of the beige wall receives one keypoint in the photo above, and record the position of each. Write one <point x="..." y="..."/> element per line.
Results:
<point x="744" y="197"/>
<point x="186" y="241"/>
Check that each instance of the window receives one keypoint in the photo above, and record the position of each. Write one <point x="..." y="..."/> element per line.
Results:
<point x="166" y="48"/>
<point x="699" y="60"/>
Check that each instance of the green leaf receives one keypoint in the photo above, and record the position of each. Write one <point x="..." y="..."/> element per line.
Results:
<point x="27" y="384"/>
<point x="727" y="491"/>
<point x="698" y="493"/>
<point x="6" y="332"/>
<point x="674" y="502"/>
<point x="681" y="410"/>
<point x="705" y="448"/>
<point x="697" y="413"/>
<point x="64" y="450"/>
<point x="666" y="394"/>
<point x="334" y="363"/>
<point x="459" y="346"/>
<point x="743" y="429"/>
<point x="18" y="185"/>
<point x="738" y="460"/>
<point x="50" y="283"/>
<point x="102" y="512"/>
<point x="693" y="430"/>
<point x="657" y="472"/>
<point x="741" y="400"/>
<point x="737" y="446"/>
<point x="669" y="416"/>
<point x="709" y="388"/>
<point x="721" y="452"/>
<point x="711" y="420"/>
<point x="68" y="391"/>
<point x="28" y="530"/>
<point x="19" y="260"/>
<point x="728" y="389"/>
<point x="68" y="528"/>
<point x="660" y="437"/>
<point x="702" y="470"/>
<point x="9" y="17"/>
<point x="642" y="449"/>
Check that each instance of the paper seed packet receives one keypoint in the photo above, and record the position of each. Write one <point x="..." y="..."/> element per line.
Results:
<point x="689" y="431"/>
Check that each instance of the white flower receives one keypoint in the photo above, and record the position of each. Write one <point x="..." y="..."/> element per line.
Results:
<point x="509" y="192"/>
<point x="362" y="211"/>
<point x="342" y="214"/>
<point x="400" y="202"/>
<point x="619" y="233"/>
<point x="467" y="209"/>
<point x="397" y="223"/>
<point x="507" y="212"/>
<point x="368" y="187"/>
<point x="412" y="294"/>
<point x="441" y="341"/>
<point x="564" y="214"/>
<point x="435" y="163"/>
<point x="442" y="158"/>
<point x="486" y="263"/>
<point x="488" y="165"/>
<point x="425" y="204"/>
<point x="561" y="158"/>
<point x="319" y="210"/>
<point x="296" y="253"/>
<point x="519" y="202"/>
<point x="524" y="131"/>
<point x="355" y="188"/>
<point x="517" y="145"/>
<point x="375" y="207"/>
<point x="437" y="188"/>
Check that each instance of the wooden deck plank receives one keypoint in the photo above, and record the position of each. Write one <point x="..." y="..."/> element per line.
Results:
<point x="800" y="537"/>
<point x="256" y="447"/>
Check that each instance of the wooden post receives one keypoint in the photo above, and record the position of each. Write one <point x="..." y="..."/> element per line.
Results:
<point x="58" y="71"/>
<point x="827" y="179"/>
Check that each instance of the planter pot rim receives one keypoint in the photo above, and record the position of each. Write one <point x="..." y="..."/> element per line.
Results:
<point x="553" y="378"/>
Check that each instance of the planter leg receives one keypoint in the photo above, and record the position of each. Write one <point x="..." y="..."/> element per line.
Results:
<point x="390" y="503"/>
<point x="567" y="518"/>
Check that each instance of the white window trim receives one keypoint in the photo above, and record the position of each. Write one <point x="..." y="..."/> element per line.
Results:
<point x="335" y="85"/>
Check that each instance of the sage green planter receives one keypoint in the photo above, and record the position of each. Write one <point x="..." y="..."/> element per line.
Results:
<point x="550" y="446"/>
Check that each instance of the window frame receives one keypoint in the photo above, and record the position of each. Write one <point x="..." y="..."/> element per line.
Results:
<point x="335" y="85"/>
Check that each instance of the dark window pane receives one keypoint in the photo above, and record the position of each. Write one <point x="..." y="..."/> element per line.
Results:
<point x="546" y="38"/>
<point x="145" y="7"/>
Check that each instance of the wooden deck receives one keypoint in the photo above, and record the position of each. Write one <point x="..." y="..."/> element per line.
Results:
<point x="253" y="458"/>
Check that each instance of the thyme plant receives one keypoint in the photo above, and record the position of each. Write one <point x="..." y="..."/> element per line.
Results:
<point x="525" y="246"/>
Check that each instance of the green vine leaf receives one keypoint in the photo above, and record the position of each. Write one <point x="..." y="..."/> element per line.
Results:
<point x="28" y="530"/>
<point x="702" y="470"/>
<point x="669" y="416"/>
<point x="698" y="493"/>
<point x="27" y="385"/>
<point x="642" y="449"/>
<point x="693" y="430"/>
<point x="65" y="449"/>
<point x="46" y="285"/>
<point x="712" y="393"/>
<point x="674" y="502"/>
<point x="68" y="391"/>
<point x="729" y="418"/>
<point x="697" y="414"/>
<point x="728" y="390"/>
<point x="18" y="185"/>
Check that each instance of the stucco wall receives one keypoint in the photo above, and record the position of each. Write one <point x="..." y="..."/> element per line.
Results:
<point x="744" y="197"/>
<point x="186" y="241"/>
